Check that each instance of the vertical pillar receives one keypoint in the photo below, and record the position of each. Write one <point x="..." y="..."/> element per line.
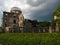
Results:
<point x="57" y="27"/>
<point x="39" y="30"/>
<point x="50" y="29"/>
<point x="33" y="30"/>
<point x="7" y="29"/>
<point x="43" y="29"/>
<point x="21" y="29"/>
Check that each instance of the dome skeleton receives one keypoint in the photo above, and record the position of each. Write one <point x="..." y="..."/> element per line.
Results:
<point x="15" y="8"/>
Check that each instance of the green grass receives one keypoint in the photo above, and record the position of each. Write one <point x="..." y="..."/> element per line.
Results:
<point x="30" y="39"/>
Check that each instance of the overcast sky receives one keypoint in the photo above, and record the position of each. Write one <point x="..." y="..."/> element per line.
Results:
<point x="40" y="10"/>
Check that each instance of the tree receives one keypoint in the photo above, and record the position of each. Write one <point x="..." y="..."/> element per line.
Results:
<point x="56" y="13"/>
<point x="44" y="24"/>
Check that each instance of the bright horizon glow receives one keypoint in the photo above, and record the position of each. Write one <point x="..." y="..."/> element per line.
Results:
<point x="15" y="3"/>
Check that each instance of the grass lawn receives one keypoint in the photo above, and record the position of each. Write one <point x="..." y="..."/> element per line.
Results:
<point x="30" y="38"/>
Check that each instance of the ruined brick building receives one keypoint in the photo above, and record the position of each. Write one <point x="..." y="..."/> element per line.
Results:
<point x="13" y="21"/>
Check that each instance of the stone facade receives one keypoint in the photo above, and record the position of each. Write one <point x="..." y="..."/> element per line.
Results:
<point x="27" y="26"/>
<point x="13" y="21"/>
<point x="56" y="18"/>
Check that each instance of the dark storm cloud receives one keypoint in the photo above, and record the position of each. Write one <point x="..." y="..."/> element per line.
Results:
<point x="37" y="3"/>
<point x="42" y="9"/>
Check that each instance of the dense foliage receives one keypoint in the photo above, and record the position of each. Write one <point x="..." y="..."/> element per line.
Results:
<point x="57" y="13"/>
<point x="30" y="39"/>
<point x="44" y="24"/>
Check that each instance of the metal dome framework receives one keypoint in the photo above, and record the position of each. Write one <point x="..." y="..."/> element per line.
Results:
<point x="15" y="8"/>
